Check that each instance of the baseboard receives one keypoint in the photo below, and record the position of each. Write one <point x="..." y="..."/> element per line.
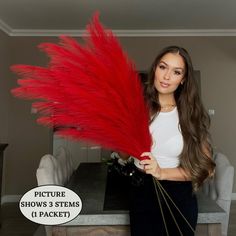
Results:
<point x="233" y="196"/>
<point x="10" y="198"/>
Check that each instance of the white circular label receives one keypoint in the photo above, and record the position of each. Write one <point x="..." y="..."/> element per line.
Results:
<point x="50" y="205"/>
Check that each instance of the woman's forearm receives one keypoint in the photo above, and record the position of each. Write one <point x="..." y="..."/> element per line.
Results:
<point x="151" y="166"/>
<point x="174" y="174"/>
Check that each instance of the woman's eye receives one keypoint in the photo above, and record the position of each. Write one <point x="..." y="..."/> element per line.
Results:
<point x="162" y="67"/>
<point x="177" y="72"/>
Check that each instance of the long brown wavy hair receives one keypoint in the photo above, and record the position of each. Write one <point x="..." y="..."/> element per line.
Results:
<point x="196" y="156"/>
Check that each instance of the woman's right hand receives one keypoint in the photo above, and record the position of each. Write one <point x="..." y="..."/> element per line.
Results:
<point x="151" y="166"/>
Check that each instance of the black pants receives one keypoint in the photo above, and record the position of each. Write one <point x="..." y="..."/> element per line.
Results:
<point x="145" y="213"/>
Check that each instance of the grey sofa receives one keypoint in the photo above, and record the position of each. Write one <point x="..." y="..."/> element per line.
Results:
<point x="220" y="187"/>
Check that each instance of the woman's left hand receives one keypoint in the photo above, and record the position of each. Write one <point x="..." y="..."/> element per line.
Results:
<point x="151" y="166"/>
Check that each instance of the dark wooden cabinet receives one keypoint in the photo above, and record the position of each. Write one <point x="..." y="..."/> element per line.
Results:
<point x="2" y="148"/>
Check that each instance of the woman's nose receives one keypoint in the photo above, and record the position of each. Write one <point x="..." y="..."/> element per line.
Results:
<point x="167" y="74"/>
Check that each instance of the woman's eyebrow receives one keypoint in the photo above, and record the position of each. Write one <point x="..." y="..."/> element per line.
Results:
<point x="174" y="67"/>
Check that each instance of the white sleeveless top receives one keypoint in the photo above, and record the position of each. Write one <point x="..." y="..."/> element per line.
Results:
<point x="167" y="139"/>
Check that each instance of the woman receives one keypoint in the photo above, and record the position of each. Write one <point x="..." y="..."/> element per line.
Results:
<point x="181" y="155"/>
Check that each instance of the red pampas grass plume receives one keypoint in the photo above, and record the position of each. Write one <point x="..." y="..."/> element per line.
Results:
<point x="89" y="92"/>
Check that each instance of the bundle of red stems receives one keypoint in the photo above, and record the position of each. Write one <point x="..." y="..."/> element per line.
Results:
<point x="89" y="92"/>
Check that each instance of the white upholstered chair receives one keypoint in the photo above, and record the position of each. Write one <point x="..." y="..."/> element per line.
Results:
<point x="220" y="187"/>
<point x="54" y="170"/>
<point x="47" y="171"/>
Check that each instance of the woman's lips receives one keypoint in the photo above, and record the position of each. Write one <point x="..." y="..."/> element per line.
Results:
<point x="164" y="85"/>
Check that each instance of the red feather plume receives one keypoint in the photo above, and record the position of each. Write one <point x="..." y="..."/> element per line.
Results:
<point x="89" y="92"/>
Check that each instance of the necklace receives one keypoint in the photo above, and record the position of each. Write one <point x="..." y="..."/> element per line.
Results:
<point x="168" y="107"/>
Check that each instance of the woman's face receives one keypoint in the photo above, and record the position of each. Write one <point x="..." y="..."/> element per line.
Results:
<point x="169" y="73"/>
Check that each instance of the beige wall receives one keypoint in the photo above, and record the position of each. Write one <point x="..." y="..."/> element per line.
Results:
<point x="4" y="87"/>
<point x="215" y="57"/>
<point x="4" y="95"/>
<point x="28" y="141"/>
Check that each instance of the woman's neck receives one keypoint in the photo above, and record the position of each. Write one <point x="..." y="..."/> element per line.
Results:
<point x="166" y="100"/>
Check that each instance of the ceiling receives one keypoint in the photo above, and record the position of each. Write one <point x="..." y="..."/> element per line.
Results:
<point x="126" y="17"/>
